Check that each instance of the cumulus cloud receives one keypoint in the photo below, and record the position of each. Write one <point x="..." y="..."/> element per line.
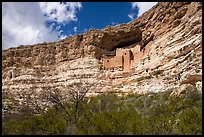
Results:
<point x="60" y="12"/>
<point x="142" y="6"/>
<point x="21" y="26"/>
<point x="24" y="23"/>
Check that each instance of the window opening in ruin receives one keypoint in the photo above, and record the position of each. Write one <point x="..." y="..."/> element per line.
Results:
<point x="131" y="55"/>
<point x="122" y="59"/>
<point x="146" y="70"/>
<point x="122" y="62"/>
<point x="125" y="53"/>
<point x="142" y="63"/>
<point x="107" y="60"/>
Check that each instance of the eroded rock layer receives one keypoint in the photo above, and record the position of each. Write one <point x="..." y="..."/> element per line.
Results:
<point x="170" y="37"/>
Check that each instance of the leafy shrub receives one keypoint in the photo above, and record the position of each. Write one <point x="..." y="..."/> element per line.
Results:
<point x="189" y="122"/>
<point x="48" y="123"/>
<point x="109" y="114"/>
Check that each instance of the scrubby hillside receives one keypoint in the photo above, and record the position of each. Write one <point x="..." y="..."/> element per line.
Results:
<point x="169" y="58"/>
<point x="109" y="114"/>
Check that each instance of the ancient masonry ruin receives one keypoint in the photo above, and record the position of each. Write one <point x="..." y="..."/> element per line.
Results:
<point x="122" y="59"/>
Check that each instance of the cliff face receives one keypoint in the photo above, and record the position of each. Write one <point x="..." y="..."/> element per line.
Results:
<point x="169" y="36"/>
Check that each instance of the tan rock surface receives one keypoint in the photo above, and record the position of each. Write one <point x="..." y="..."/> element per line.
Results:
<point x="170" y="37"/>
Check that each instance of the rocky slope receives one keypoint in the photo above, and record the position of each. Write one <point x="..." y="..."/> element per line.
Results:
<point x="170" y="36"/>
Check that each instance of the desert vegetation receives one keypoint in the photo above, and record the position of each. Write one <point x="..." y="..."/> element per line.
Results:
<point x="110" y="114"/>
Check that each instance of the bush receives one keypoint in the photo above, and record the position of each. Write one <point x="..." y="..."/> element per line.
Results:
<point x="189" y="122"/>
<point x="48" y="123"/>
<point x="109" y="114"/>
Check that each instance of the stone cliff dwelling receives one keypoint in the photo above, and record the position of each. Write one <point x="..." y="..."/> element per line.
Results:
<point x="123" y="59"/>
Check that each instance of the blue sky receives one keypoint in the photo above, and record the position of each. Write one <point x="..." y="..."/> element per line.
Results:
<point x="100" y="14"/>
<point x="97" y="15"/>
<point x="27" y="23"/>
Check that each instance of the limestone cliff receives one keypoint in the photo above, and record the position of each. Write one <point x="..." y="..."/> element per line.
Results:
<point x="170" y="42"/>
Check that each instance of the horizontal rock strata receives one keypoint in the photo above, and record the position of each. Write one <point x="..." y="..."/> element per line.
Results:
<point x="170" y="38"/>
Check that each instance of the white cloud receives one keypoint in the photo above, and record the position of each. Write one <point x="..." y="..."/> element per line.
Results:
<point x="60" y="12"/>
<point x="134" y="4"/>
<point x="75" y="29"/>
<point x="143" y="6"/>
<point x="23" y="23"/>
<point x="131" y="16"/>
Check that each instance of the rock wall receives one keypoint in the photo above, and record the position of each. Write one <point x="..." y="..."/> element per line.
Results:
<point x="173" y="57"/>
<point x="170" y="37"/>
